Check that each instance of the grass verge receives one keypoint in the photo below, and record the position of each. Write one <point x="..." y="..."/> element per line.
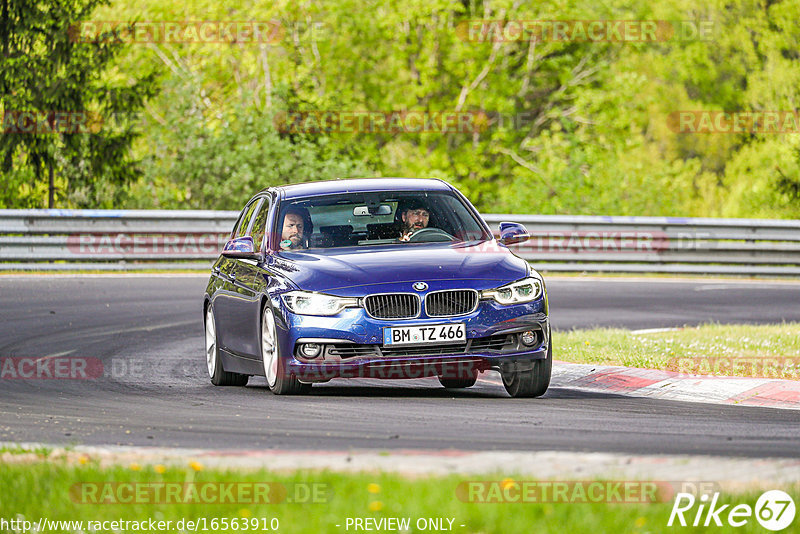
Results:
<point x="771" y="351"/>
<point x="316" y="502"/>
<point x="19" y="450"/>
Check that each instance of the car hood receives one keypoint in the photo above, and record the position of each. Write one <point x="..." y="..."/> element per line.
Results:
<point x="342" y="268"/>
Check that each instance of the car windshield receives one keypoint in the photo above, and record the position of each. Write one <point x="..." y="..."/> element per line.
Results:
<point x="375" y="219"/>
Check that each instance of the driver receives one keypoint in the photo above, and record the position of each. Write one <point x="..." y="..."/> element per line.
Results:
<point x="414" y="217"/>
<point x="296" y="225"/>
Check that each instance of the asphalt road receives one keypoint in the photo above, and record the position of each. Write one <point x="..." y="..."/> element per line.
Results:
<point x="147" y="333"/>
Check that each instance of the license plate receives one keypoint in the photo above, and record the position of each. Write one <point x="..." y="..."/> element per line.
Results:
<point x="422" y="335"/>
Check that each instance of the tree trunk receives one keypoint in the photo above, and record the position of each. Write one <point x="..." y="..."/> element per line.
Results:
<point x="51" y="200"/>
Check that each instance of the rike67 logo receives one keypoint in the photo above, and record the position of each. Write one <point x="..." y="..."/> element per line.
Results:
<point x="774" y="510"/>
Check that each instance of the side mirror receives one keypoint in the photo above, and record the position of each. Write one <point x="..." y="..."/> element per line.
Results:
<point x="240" y="247"/>
<point x="511" y="233"/>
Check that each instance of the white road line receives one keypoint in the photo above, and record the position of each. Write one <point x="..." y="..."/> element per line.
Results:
<point x="654" y="330"/>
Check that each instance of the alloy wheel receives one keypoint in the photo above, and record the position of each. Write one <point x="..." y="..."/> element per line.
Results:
<point x="211" y="343"/>
<point x="269" y="347"/>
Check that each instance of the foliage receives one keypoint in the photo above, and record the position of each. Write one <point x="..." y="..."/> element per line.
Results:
<point x="217" y="167"/>
<point x="574" y="127"/>
<point x="45" y="70"/>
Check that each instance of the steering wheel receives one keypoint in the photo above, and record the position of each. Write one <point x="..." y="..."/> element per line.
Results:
<point x="430" y="235"/>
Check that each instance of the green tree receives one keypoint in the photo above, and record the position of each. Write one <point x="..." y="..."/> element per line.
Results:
<point x="576" y="127"/>
<point x="49" y="77"/>
<point x="219" y="162"/>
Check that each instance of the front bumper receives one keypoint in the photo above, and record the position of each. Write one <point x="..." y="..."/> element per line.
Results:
<point x="352" y="343"/>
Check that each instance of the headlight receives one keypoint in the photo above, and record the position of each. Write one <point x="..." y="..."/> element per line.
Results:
<point x="524" y="290"/>
<point x="305" y="303"/>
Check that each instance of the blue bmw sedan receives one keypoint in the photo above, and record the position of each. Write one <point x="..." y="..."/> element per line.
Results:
<point x="374" y="278"/>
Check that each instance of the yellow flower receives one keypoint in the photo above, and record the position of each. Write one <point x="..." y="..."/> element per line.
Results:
<point x="160" y="469"/>
<point x="135" y="467"/>
<point x="197" y="466"/>
<point x="507" y="483"/>
<point x="244" y="512"/>
<point x="586" y="342"/>
<point x="375" y="506"/>
<point x="640" y="521"/>
<point x="83" y="460"/>
<point x="374" y="488"/>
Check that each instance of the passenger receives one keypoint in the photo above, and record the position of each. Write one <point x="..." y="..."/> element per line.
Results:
<point x="297" y="226"/>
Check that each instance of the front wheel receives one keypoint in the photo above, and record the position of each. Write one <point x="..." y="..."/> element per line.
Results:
<point x="278" y="380"/>
<point x="528" y="378"/>
<point x="218" y="375"/>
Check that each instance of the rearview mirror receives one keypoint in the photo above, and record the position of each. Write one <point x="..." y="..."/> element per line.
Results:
<point x="371" y="211"/>
<point x="240" y="247"/>
<point x="511" y="233"/>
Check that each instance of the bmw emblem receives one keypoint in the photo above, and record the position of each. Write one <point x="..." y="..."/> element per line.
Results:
<point x="420" y="286"/>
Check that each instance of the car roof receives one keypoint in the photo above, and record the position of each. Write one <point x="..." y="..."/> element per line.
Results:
<point x="361" y="185"/>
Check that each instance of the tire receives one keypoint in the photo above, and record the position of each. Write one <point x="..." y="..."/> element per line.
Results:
<point x="219" y="376"/>
<point x="530" y="381"/>
<point x="278" y="381"/>
<point x="460" y="382"/>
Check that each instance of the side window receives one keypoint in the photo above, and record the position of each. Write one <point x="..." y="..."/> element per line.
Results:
<point x="260" y="225"/>
<point x="244" y="222"/>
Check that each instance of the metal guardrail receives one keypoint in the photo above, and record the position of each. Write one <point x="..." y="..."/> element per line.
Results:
<point x="660" y="244"/>
<point x="145" y="239"/>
